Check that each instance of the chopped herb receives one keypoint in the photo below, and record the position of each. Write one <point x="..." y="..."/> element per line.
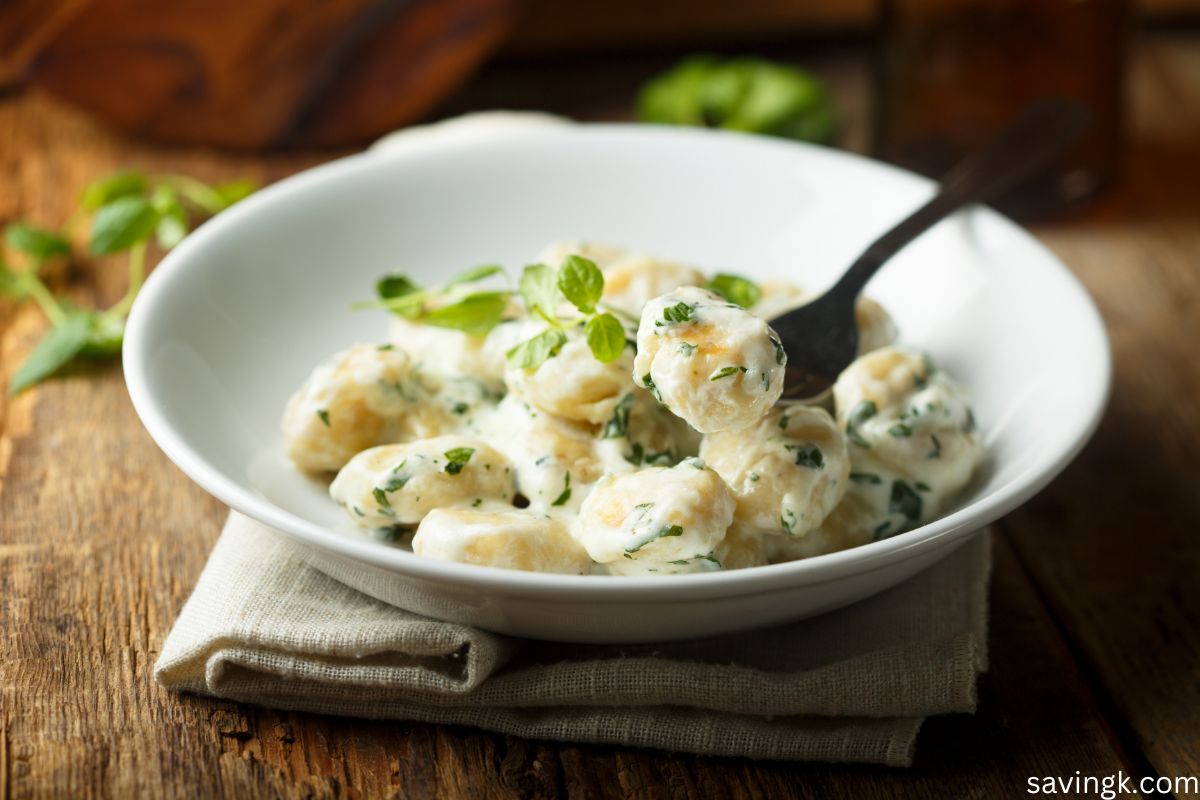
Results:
<point x="562" y="499"/>
<point x="477" y="502"/>
<point x="780" y="353"/>
<point x="619" y="424"/>
<point x="754" y="477"/>
<point x="662" y="533"/>
<point x="381" y="498"/>
<point x="687" y="348"/>
<point x="881" y="530"/>
<point x="905" y="501"/>
<point x="922" y="486"/>
<point x="460" y="408"/>
<point x="936" y="452"/>
<point x="648" y="382"/>
<point x="900" y="430"/>
<point x="788" y="520"/>
<point x="694" y="462"/>
<point x="735" y="289"/>
<point x="866" y="477"/>
<point x="457" y="458"/>
<point x="970" y="426"/>
<point x="783" y="422"/>
<point x="807" y="455"/>
<point x="324" y="416"/>
<point x="542" y="460"/>
<point x="766" y="380"/>
<point x="725" y="372"/>
<point x="680" y="312"/>
<point x="358" y="511"/>
<point x="860" y="414"/>
<point x="396" y="481"/>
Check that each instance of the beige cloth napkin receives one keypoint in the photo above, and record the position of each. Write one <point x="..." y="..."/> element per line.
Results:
<point x="854" y="685"/>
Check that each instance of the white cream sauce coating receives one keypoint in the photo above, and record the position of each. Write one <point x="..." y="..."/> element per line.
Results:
<point x="574" y="467"/>
<point x="713" y="363"/>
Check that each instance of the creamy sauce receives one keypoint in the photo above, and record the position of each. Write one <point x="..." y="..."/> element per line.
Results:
<point x="580" y="466"/>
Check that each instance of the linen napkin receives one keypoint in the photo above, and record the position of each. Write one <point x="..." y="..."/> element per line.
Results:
<point x="263" y="627"/>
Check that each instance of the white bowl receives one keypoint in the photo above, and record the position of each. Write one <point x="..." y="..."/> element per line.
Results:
<point x="236" y="317"/>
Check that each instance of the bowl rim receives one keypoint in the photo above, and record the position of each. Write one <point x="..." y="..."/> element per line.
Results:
<point x="826" y="568"/>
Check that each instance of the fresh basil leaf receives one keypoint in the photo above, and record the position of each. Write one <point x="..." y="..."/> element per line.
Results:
<point x="172" y="218"/>
<point x="390" y="287"/>
<point x="62" y="343"/>
<point x="475" y="314"/>
<point x="539" y="290"/>
<point x="605" y="337"/>
<point x="735" y="289"/>
<point x="581" y="282"/>
<point x="530" y="353"/>
<point x="476" y="274"/>
<point x="232" y="192"/>
<point x="122" y="223"/>
<point x="37" y="243"/>
<point x="105" y="190"/>
<point x="105" y="336"/>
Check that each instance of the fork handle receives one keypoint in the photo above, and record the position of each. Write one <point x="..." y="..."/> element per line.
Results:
<point x="1024" y="150"/>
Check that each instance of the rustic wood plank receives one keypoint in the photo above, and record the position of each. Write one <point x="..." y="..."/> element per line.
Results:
<point x="1113" y="541"/>
<point x="101" y="540"/>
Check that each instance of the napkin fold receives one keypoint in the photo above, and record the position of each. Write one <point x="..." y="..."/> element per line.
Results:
<point x="264" y="627"/>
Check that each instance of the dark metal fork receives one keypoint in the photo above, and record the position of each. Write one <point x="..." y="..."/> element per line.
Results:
<point x="821" y="337"/>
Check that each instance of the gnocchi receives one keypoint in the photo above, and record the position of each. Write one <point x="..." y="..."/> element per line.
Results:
<point x="615" y="416"/>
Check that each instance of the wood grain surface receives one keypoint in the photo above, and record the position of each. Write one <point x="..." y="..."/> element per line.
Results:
<point x="1095" y="627"/>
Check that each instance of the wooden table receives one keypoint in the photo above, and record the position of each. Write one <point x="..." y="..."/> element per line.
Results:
<point x="1096" y="620"/>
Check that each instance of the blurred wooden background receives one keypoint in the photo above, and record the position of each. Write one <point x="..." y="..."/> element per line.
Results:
<point x="280" y="73"/>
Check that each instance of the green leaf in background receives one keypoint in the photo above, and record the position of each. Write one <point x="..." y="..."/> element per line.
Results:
<point x="530" y="353"/>
<point x="122" y="223"/>
<point x="475" y="314"/>
<point x="172" y="217"/>
<point x="744" y="94"/>
<point x="540" y="291"/>
<point x="735" y="289"/>
<point x="581" y="282"/>
<point x="35" y="242"/>
<point x="476" y="274"/>
<point x="605" y="336"/>
<point x="105" y="335"/>
<point x="233" y="192"/>
<point x="62" y="343"/>
<point x="11" y="285"/>
<point x="392" y="286"/>
<point x="105" y="190"/>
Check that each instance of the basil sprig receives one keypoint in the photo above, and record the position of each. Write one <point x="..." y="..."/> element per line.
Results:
<point x="127" y="209"/>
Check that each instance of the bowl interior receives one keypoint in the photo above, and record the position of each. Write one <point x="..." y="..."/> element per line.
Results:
<point x="235" y="319"/>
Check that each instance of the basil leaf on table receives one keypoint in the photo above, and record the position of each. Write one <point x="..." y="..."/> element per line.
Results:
<point x="122" y="223"/>
<point x="35" y="242"/>
<point x="62" y="343"/>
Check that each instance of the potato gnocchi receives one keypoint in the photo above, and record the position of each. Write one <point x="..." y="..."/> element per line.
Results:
<point x="620" y="414"/>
